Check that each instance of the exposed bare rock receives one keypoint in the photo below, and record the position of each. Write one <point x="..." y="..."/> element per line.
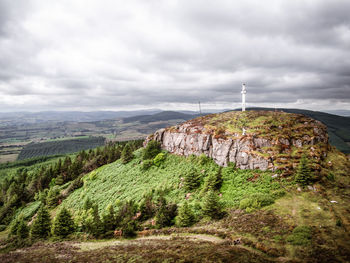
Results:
<point x="265" y="146"/>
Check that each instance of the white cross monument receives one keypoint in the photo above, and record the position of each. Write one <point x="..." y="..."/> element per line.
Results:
<point x="243" y="96"/>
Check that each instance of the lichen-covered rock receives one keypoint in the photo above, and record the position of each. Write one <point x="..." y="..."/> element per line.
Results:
<point x="273" y="140"/>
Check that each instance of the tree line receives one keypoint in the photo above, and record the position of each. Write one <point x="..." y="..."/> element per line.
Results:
<point x="42" y="183"/>
<point x="60" y="147"/>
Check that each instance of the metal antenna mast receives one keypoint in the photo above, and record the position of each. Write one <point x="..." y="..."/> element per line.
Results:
<point x="200" y="109"/>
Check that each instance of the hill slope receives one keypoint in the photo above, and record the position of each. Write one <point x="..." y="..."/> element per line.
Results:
<point x="338" y="126"/>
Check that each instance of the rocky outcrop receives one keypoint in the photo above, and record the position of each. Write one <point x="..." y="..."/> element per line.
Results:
<point x="249" y="151"/>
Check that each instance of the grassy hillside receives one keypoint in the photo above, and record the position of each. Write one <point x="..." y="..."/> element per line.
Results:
<point x="118" y="182"/>
<point x="281" y="220"/>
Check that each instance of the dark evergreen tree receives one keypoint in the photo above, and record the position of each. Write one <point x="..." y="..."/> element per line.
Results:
<point x="213" y="182"/>
<point x="151" y="150"/>
<point x="127" y="154"/>
<point x="42" y="224"/>
<point x="192" y="180"/>
<point x="147" y="207"/>
<point x="211" y="206"/>
<point x="87" y="204"/>
<point x="22" y="229"/>
<point x="52" y="197"/>
<point x="63" y="224"/>
<point x="303" y="175"/>
<point x="109" y="220"/>
<point x="186" y="217"/>
<point x="165" y="213"/>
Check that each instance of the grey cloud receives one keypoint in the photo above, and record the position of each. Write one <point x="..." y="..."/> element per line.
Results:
<point x="117" y="55"/>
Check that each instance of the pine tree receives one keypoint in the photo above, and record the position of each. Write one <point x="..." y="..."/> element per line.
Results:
<point x="52" y="197"/>
<point x="63" y="224"/>
<point x="42" y="224"/>
<point x="213" y="182"/>
<point x="303" y="175"/>
<point x="22" y="229"/>
<point x="186" y="217"/>
<point x="192" y="180"/>
<point x="109" y="219"/>
<point x="211" y="206"/>
<point x="151" y="150"/>
<point x="127" y="154"/>
<point x="165" y="213"/>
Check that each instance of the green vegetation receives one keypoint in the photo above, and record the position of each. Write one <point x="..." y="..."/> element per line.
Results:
<point x="303" y="175"/>
<point x="59" y="147"/>
<point x="151" y="150"/>
<point x="186" y="216"/>
<point x="42" y="224"/>
<point x="176" y="200"/>
<point x="63" y="225"/>
<point x="301" y="236"/>
<point x="212" y="206"/>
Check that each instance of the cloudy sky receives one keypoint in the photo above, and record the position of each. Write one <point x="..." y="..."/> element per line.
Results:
<point x="116" y="55"/>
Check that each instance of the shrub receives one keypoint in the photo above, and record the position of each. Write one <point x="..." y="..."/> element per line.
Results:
<point x="152" y="149"/>
<point x="301" y="236"/>
<point x="303" y="175"/>
<point x="211" y="206"/>
<point x="203" y="159"/>
<point x="255" y="201"/>
<point x="63" y="224"/>
<point x="146" y="164"/>
<point x="159" y="159"/>
<point x="186" y="217"/>
<point x="42" y="224"/>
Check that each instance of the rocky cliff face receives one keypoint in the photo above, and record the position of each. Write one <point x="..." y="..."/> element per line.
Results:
<point x="272" y="140"/>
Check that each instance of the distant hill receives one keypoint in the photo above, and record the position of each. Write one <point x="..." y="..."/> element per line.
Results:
<point x="161" y="116"/>
<point x="338" y="126"/>
<point x="11" y="118"/>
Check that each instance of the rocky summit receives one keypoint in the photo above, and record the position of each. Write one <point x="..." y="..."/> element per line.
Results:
<point x="264" y="140"/>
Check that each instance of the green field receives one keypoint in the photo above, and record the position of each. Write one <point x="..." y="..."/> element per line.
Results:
<point x="61" y="146"/>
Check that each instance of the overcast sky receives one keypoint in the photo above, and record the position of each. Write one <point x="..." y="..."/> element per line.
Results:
<point x="118" y="55"/>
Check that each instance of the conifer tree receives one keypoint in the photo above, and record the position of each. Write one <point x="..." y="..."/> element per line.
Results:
<point x="186" y="217"/>
<point x="165" y="213"/>
<point x="42" y="224"/>
<point x="52" y="197"/>
<point x="127" y="154"/>
<point x="63" y="224"/>
<point x="192" y="180"/>
<point x="303" y="175"/>
<point x="211" y="205"/>
<point x="151" y="150"/>
<point x="14" y="226"/>
<point x="109" y="219"/>
<point x="22" y="230"/>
